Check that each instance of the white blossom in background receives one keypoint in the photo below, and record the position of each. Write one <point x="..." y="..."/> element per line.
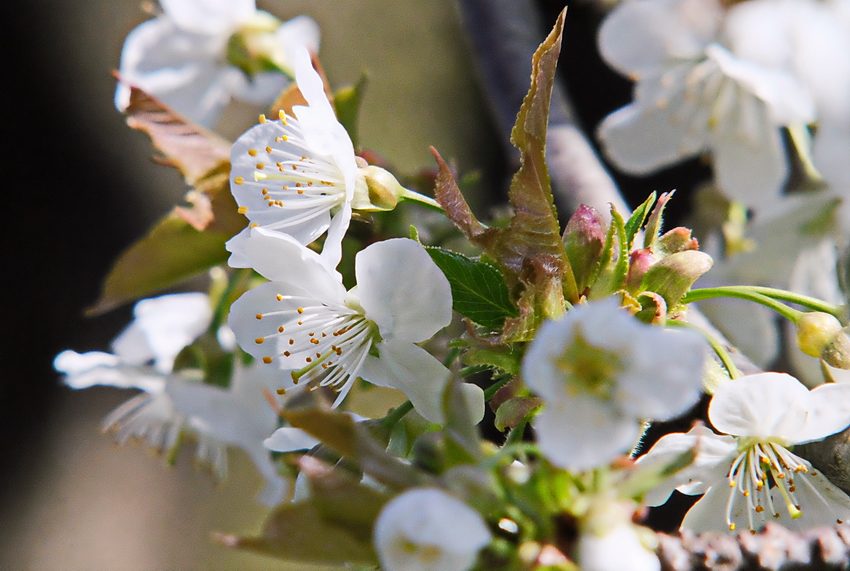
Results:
<point x="724" y="80"/>
<point x="426" y="529"/>
<point x="609" y="541"/>
<point x="600" y="372"/>
<point x="751" y="476"/>
<point x="172" y="402"/>
<point x="781" y="235"/>
<point x="296" y="175"/>
<point x="181" y="56"/>
<point x="240" y="416"/>
<point x="305" y="323"/>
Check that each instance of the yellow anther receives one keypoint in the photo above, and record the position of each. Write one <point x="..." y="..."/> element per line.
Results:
<point x="280" y="329"/>
<point x="259" y="340"/>
<point x="281" y="391"/>
<point x="267" y="360"/>
<point x="282" y="115"/>
<point x="259" y="316"/>
<point x="242" y="210"/>
<point x="279" y="297"/>
<point x="261" y="165"/>
<point x="262" y="118"/>
<point x="300" y="310"/>
<point x="239" y="180"/>
<point x="252" y="152"/>
<point x="286" y="353"/>
<point x="268" y="149"/>
<point x="732" y="527"/>
<point x="253" y="225"/>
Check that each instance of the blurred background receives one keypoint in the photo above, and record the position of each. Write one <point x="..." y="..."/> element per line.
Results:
<point x="79" y="186"/>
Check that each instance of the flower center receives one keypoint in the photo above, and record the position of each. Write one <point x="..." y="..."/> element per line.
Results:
<point x="289" y="175"/>
<point x="764" y="472"/>
<point x="325" y="343"/>
<point x="588" y="370"/>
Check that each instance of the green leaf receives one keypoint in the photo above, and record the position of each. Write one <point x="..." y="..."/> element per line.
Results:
<point x="298" y="532"/>
<point x="173" y="251"/>
<point x="638" y="217"/>
<point x="347" y="102"/>
<point x="478" y="289"/>
<point x="514" y="410"/>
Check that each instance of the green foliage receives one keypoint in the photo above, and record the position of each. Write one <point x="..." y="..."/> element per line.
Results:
<point x="478" y="289"/>
<point x="638" y="217"/>
<point x="347" y="102"/>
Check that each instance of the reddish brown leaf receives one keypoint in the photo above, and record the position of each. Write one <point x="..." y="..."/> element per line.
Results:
<point x="190" y="148"/>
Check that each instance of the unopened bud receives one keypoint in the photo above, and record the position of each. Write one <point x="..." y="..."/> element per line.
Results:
<point x="254" y="47"/>
<point x="821" y="335"/>
<point x="584" y="240"/>
<point x="639" y="263"/>
<point x="376" y="190"/>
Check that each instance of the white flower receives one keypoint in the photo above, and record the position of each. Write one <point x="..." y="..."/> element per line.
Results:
<point x="752" y="477"/>
<point x="600" y="372"/>
<point x="181" y="56"/>
<point x="718" y="79"/>
<point x="297" y="175"/>
<point x="609" y="541"/>
<point x="173" y="402"/>
<point x="305" y="322"/>
<point x="426" y="529"/>
<point x="240" y="416"/>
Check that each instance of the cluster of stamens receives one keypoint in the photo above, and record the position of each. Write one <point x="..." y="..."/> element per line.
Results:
<point x="288" y="175"/>
<point x="760" y="470"/>
<point x="325" y="343"/>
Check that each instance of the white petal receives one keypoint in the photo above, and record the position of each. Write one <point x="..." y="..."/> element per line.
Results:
<point x="664" y="30"/>
<point x="714" y="456"/>
<point x="821" y="502"/>
<point x="403" y="290"/>
<point x="412" y="370"/>
<point x="585" y="436"/>
<point x="764" y="405"/>
<point x="301" y="31"/>
<point x="281" y="258"/>
<point x="829" y="412"/>
<point x="182" y="69"/>
<point x="167" y="324"/>
<point x="209" y="16"/>
<point x="643" y="137"/>
<point x="750" y="168"/>
<point x="709" y="513"/>
<point x="289" y="439"/>
<point x="95" y="368"/>
<point x="426" y="529"/>
<point x="262" y="88"/>
<point x="617" y="550"/>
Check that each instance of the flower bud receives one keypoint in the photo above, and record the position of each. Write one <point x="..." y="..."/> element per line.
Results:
<point x="376" y="190"/>
<point x="254" y="48"/>
<point x="584" y="240"/>
<point x="821" y="335"/>
<point x="639" y="263"/>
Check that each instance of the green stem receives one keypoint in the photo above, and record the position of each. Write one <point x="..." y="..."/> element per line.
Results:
<point x="412" y="196"/>
<point x="396" y="414"/>
<point x="716" y="346"/>
<point x="764" y="296"/>
<point x="222" y="308"/>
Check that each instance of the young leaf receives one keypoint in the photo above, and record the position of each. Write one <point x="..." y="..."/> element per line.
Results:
<point x="478" y="289"/>
<point x="173" y="251"/>
<point x="638" y="217"/>
<point x="298" y="532"/>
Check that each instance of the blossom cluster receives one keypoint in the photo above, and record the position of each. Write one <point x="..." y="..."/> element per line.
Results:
<point x="572" y="342"/>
